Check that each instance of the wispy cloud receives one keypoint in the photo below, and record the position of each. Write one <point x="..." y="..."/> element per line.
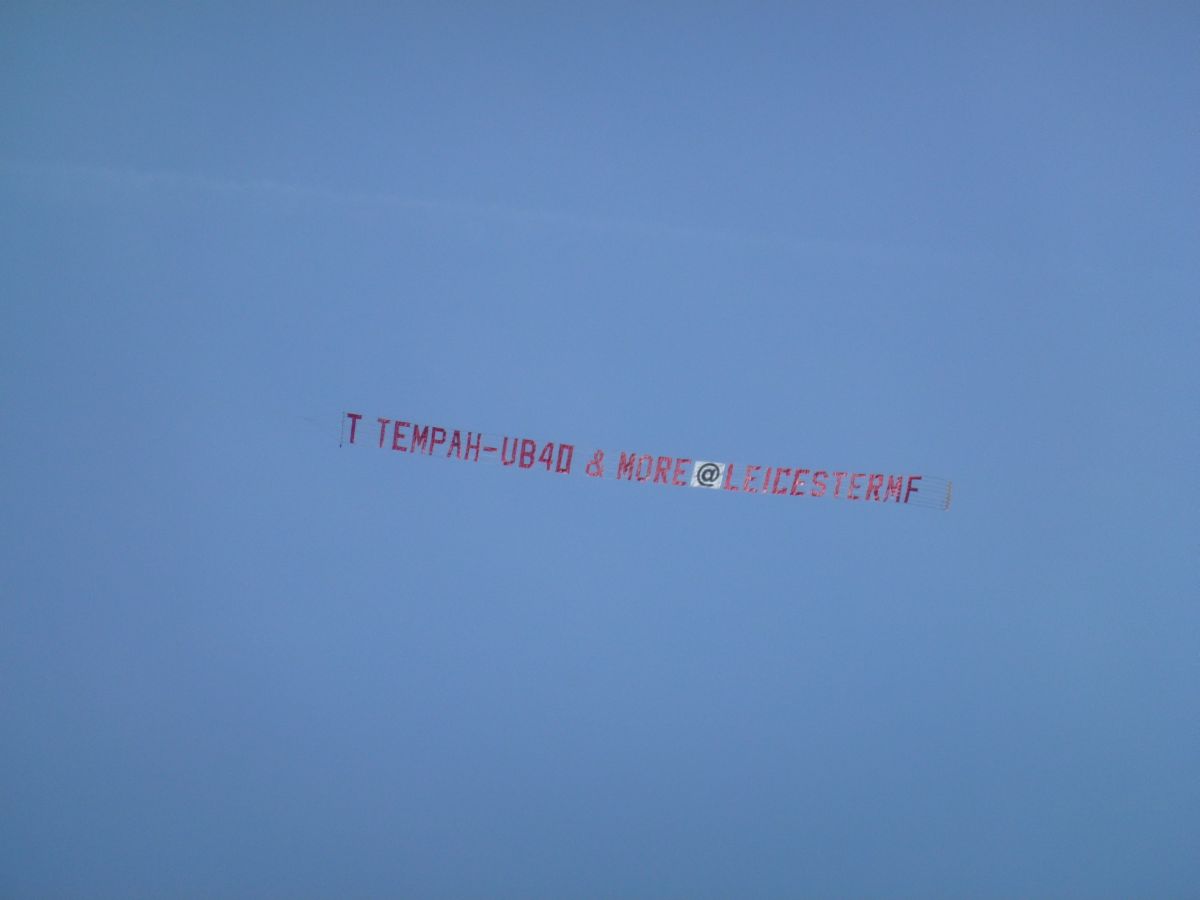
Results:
<point x="63" y="175"/>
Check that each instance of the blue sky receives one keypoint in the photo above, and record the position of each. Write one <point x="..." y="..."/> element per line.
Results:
<point x="239" y="660"/>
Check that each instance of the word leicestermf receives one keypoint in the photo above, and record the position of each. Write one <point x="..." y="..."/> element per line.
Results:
<point x="720" y="476"/>
<point x="681" y="471"/>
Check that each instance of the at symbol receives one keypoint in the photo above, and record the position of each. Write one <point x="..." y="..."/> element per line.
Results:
<point x="708" y="474"/>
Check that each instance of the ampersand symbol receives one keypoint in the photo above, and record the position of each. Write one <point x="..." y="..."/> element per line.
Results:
<point x="596" y="467"/>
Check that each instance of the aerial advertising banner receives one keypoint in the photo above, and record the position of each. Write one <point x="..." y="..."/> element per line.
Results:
<point x="804" y="479"/>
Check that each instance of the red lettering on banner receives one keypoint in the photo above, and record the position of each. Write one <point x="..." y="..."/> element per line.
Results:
<point x="569" y="451"/>
<point x="895" y="482"/>
<point x="798" y="482"/>
<point x="681" y="465"/>
<point x="420" y="438"/>
<point x="644" y="467"/>
<point x="775" y="483"/>
<point x="749" y="479"/>
<point x="662" y="470"/>
<point x="873" y="486"/>
<point x="911" y="489"/>
<point x="648" y="461"/>
<point x="595" y="468"/>
<point x="729" y="485"/>
<point x="625" y="466"/>
<point x="398" y="436"/>
<point x="854" y="486"/>
<point x="528" y="452"/>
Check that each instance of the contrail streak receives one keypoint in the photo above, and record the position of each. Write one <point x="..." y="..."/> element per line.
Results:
<point x="128" y="178"/>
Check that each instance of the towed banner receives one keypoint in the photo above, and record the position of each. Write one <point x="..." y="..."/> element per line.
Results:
<point x="625" y="465"/>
